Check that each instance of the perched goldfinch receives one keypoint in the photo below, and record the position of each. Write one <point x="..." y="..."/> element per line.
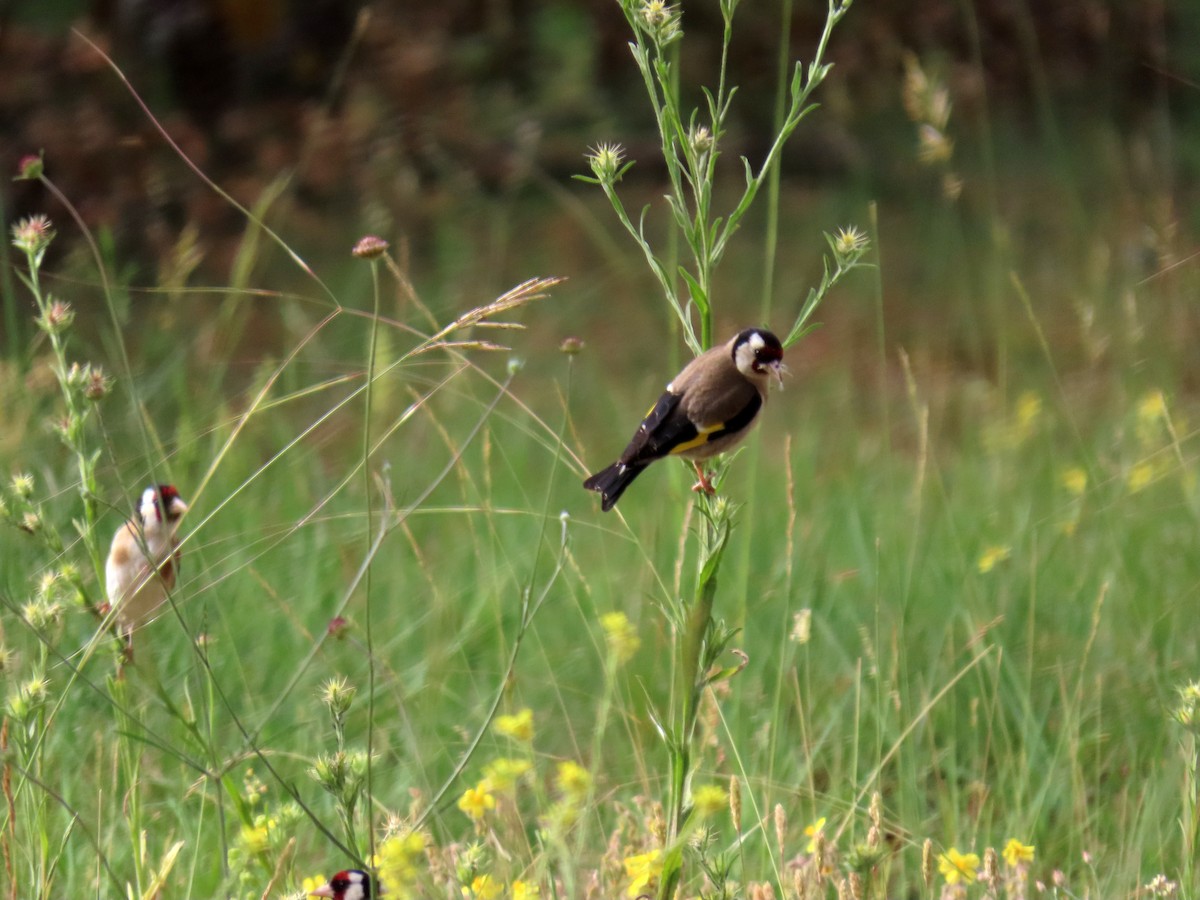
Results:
<point x="144" y="562"/>
<point x="706" y="410"/>
<point x="352" y="884"/>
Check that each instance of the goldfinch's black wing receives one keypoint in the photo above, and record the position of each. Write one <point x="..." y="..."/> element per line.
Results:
<point x="664" y="428"/>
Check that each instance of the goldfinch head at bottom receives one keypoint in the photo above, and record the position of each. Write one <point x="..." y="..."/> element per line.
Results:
<point x="351" y="884"/>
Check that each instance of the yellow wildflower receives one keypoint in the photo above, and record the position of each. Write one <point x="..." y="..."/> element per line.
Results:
<point x="811" y="832"/>
<point x="622" y="637"/>
<point x="1139" y="477"/>
<point x="710" y="799"/>
<point x="1152" y="407"/>
<point x="476" y="801"/>
<point x="503" y="773"/>
<point x="310" y="884"/>
<point x="1074" y="480"/>
<point x="483" y="887"/>
<point x="1029" y="409"/>
<point x="991" y="557"/>
<point x="1016" y="853"/>
<point x="525" y="890"/>
<point x="397" y="861"/>
<point x="256" y="838"/>
<point x="643" y="871"/>
<point x="573" y="779"/>
<point x="518" y="726"/>
<point x="956" y="867"/>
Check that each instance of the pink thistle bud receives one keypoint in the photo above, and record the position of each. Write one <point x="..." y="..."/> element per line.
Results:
<point x="369" y="247"/>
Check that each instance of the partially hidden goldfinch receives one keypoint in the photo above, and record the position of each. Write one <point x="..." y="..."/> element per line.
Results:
<point x="143" y="563"/>
<point x="352" y="884"/>
<point x="706" y="409"/>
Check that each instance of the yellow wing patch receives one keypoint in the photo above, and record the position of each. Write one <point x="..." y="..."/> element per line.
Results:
<point x="698" y="441"/>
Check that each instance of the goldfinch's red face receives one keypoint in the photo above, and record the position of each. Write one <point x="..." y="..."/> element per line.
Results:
<point x="758" y="354"/>
<point x="161" y="503"/>
<point x="348" y="885"/>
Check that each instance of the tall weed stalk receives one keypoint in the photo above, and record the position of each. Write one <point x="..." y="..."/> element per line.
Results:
<point x="690" y="143"/>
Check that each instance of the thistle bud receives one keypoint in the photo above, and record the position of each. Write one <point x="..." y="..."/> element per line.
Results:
<point x="369" y="247"/>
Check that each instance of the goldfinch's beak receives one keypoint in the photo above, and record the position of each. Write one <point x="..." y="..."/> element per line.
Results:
<point x="324" y="890"/>
<point x="178" y="508"/>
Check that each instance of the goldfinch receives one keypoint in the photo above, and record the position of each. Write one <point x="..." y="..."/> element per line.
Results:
<point x="352" y="884"/>
<point x="144" y="562"/>
<point x="706" y="410"/>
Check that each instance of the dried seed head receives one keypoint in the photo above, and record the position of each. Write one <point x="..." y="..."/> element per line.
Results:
<point x="874" y="838"/>
<point x="875" y="810"/>
<point x="735" y="803"/>
<point x="991" y="869"/>
<point x="780" y="826"/>
<point x="97" y="385"/>
<point x="927" y="863"/>
<point x="802" y="627"/>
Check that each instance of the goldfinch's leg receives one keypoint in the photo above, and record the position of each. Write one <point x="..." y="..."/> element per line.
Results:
<point x="703" y="484"/>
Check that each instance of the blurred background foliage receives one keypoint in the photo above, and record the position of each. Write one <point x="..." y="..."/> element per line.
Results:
<point x="1069" y="153"/>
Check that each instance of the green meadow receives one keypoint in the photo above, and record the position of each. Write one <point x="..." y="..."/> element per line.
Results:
<point x="953" y="648"/>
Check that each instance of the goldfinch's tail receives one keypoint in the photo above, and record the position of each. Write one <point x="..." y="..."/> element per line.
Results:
<point x="611" y="482"/>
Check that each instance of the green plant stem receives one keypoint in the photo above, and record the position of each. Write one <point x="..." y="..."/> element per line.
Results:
<point x="696" y="655"/>
<point x="372" y="349"/>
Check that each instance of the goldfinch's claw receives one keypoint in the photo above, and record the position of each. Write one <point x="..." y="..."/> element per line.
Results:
<point x="703" y="485"/>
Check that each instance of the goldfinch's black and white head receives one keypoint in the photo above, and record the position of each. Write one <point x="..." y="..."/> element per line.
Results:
<point x="161" y="507"/>
<point x="758" y="354"/>
<point x="352" y="884"/>
<point x="707" y="409"/>
<point x="143" y="562"/>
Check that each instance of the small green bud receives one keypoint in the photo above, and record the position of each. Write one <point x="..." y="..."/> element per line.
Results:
<point x="30" y="167"/>
<point x="605" y="161"/>
<point x="22" y="485"/>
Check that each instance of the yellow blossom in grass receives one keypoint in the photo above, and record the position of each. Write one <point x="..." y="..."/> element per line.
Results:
<point x="476" y="801"/>
<point x="256" y="838"/>
<point x="518" y="726"/>
<point x="1074" y="480"/>
<point x="622" y="637"/>
<point x="1029" y="410"/>
<point x="710" y="799"/>
<point x="811" y="832"/>
<point x="643" y="871"/>
<point x="1139" y="477"/>
<point x="503" y="773"/>
<point x="991" y="557"/>
<point x="483" y="887"/>
<point x="397" y="861"/>
<point x="956" y="867"/>
<point x="1152" y="407"/>
<point x="573" y="779"/>
<point x="525" y="890"/>
<point x="310" y="884"/>
<point x="1016" y="853"/>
